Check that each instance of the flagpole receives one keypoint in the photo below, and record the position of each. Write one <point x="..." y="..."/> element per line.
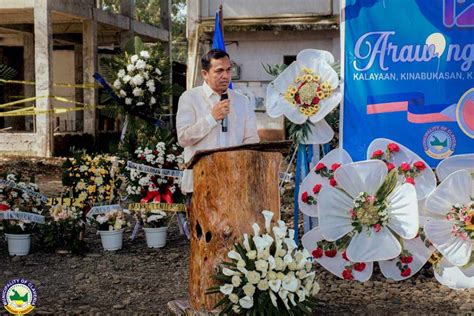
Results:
<point x="221" y="19"/>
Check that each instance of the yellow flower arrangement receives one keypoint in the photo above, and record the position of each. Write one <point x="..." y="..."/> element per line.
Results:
<point x="308" y="92"/>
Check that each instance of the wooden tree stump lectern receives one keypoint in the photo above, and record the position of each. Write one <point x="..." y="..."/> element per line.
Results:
<point x="231" y="188"/>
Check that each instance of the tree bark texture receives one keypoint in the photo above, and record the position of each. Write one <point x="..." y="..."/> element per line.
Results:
<point x="231" y="189"/>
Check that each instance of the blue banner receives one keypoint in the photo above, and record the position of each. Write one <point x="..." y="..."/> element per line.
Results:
<point x="409" y="76"/>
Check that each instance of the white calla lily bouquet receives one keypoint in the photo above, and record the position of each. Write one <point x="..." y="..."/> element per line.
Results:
<point x="267" y="274"/>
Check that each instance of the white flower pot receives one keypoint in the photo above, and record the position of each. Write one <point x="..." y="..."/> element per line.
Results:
<point x="155" y="237"/>
<point x="18" y="244"/>
<point x="111" y="239"/>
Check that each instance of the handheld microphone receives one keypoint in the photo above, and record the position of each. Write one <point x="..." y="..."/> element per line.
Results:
<point x="224" y="122"/>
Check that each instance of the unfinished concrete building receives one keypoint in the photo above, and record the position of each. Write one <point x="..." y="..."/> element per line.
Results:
<point x="265" y="32"/>
<point x="59" y="41"/>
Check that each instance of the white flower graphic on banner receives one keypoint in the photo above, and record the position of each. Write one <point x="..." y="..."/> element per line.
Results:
<point x="306" y="90"/>
<point x="370" y="210"/>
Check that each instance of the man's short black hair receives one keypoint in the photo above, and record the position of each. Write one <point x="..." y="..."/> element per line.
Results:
<point x="212" y="54"/>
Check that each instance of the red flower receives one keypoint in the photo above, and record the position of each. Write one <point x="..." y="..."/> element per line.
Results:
<point x="347" y="274"/>
<point x="377" y="154"/>
<point x="142" y="157"/>
<point x="360" y="266"/>
<point x="4" y="207"/>
<point x="406" y="272"/>
<point x="405" y="167"/>
<point x="320" y="166"/>
<point x="317" y="253"/>
<point x="332" y="181"/>
<point x="317" y="188"/>
<point x="390" y="166"/>
<point x="344" y="256"/>
<point x="377" y="227"/>
<point x="420" y="165"/>
<point x="392" y="147"/>
<point x="334" y="166"/>
<point x="331" y="253"/>
<point x="407" y="259"/>
<point x="410" y="180"/>
<point x="304" y="197"/>
<point x="315" y="100"/>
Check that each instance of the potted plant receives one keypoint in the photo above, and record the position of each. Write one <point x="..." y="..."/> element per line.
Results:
<point x="62" y="231"/>
<point x="110" y="227"/>
<point x="18" y="235"/>
<point x="155" y="225"/>
<point x="19" y="196"/>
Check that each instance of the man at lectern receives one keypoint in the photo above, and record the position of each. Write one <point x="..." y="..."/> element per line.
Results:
<point x="212" y="115"/>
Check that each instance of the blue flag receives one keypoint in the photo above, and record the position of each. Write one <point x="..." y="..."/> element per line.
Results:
<point x="218" y="39"/>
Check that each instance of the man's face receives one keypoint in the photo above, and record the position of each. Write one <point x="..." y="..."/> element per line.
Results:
<point x="218" y="76"/>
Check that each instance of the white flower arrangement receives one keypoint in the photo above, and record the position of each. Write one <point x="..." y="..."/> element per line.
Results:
<point x="141" y="185"/>
<point x="137" y="82"/>
<point x="113" y="220"/>
<point x="20" y="197"/>
<point x="267" y="273"/>
<point x="306" y="90"/>
<point x="152" y="218"/>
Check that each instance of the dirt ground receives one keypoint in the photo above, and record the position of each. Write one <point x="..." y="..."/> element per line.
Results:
<point x="139" y="280"/>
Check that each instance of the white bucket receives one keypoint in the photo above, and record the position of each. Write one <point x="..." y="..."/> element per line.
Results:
<point x="18" y="244"/>
<point x="155" y="237"/>
<point x="111" y="239"/>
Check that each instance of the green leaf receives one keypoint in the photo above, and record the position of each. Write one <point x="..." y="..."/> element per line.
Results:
<point x="388" y="186"/>
<point x="134" y="45"/>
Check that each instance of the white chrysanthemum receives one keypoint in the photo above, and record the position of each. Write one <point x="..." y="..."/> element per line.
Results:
<point x="137" y="92"/>
<point x="134" y="58"/>
<point x="122" y="93"/>
<point x="127" y="78"/>
<point x="152" y="101"/>
<point x="253" y="277"/>
<point x="128" y="101"/>
<point x="249" y="289"/>
<point x="234" y="298"/>
<point x="451" y="234"/>
<point x="144" y="54"/>
<point x="130" y="68"/>
<point x="236" y="280"/>
<point x="140" y="65"/>
<point x="121" y="73"/>
<point x="369" y="244"/>
<point x="137" y="80"/>
<point x="117" y="84"/>
<point x="158" y="71"/>
<point x="316" y="62"/>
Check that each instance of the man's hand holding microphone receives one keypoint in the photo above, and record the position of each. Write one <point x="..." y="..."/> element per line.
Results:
<point x="221" y="110"/>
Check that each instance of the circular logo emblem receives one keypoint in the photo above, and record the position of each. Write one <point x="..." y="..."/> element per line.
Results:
<point x="439" y="142"/>
<point x="465" y="113"/>
<point x="19" y="296"/>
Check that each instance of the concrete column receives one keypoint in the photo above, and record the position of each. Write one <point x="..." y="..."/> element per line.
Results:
<point x="89" y="52"/>
<point x="79" y="79"/>
<point x="29" y="75"/>
<point x="127" y="8"/>
<point x="43" y="77"/>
